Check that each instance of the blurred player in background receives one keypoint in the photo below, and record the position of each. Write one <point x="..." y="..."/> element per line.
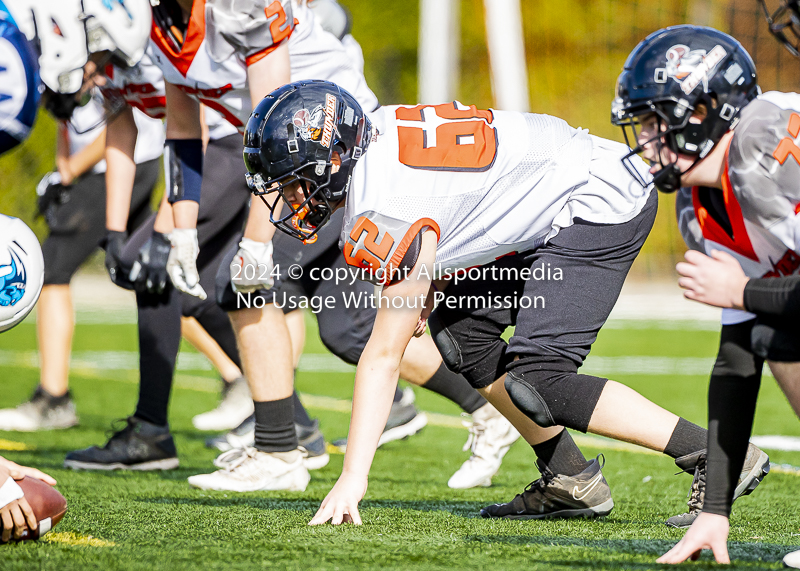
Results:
<point x="691" y="98"/>
<point x="72" y="200"/>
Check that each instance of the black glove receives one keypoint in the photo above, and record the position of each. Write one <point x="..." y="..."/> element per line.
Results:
<point x="149" y="272"/>
<point x="50" y="194"/>
<point x="113" y="245"/>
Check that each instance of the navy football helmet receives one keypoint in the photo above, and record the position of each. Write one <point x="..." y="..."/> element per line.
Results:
<point x="290" y="137"/>
<point x="784" y="23"/>
<point x="671" y="74"/>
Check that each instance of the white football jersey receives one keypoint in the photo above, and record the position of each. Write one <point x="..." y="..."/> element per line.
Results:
<point x="487" y="182"/>
<point x="220" y="45"/>
<point x="756" y="216"/>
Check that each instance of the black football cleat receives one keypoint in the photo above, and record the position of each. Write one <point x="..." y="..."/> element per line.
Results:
<point x="755" y="469"/>
<point x="557" y="496"/>
<point x="139" y="445"/>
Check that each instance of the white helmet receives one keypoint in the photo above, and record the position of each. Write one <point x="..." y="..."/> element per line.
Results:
<point x="69" y="31"/>
<point x="21" y="271"/>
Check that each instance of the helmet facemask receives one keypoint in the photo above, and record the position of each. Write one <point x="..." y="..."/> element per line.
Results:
<point x="303" y="220"/>
<point x="784" y="24"/>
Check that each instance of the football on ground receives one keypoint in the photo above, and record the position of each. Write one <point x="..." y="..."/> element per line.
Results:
<point x="47" y="503"/>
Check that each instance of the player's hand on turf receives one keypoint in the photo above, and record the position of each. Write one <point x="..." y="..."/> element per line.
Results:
<point x="252" y="267"/>
<point x="114" y="243"/>
<point x="709" y="531"/>
<point x="717" y="280"/>
<point x="341" y="503"/>
<point x="182" y="262"/>
<point x="149" y="272"/>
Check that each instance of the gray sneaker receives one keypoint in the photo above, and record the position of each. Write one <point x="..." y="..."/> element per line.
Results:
<point x="41" y="412"/>
<point x="404" y="421"/>
<point x="557" y="496"/>
<point x="756" y="467"/>
<point x="234" y="407"/>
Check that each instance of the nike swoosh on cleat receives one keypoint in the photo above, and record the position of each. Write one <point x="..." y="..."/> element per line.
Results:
<point x="589" y="487"/>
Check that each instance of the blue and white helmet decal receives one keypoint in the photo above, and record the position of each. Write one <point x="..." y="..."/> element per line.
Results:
<point x="21" y="271"/>
<point x="12" y="278"/>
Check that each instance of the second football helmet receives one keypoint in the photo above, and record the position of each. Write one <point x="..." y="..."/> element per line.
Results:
<point x="291" y="137"/>
<point x="674" y="73"/>
<point x="21" y="271"/>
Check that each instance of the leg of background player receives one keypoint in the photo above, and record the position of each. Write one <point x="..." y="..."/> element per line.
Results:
<point x="200" y="339"/>
<point x="55" y="324"/>
<point x="788" y="377"/>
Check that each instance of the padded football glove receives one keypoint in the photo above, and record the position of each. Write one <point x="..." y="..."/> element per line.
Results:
<point x="251" y="268"/>
<point x="113" y="244"/>
<point x="182" y="262"/>
<point x="149" y="272"/>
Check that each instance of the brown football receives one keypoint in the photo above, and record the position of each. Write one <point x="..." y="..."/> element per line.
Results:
<point x="47" y="503"/>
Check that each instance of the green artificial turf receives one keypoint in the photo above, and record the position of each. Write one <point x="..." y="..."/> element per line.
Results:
<point x="155" y="521"/>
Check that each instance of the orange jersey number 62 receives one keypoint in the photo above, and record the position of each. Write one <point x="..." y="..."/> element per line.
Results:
<point x="445" y="139"/>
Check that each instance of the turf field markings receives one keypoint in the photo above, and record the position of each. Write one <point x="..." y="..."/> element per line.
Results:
<point x="15" y="446"/>
<point x="71" y="538"/>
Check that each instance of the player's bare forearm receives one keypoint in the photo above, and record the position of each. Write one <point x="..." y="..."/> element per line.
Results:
<point x="259" y="227"/>
<point x="269" y="73"/>
<point x="165" y="218"/>
<point x="84" y="160"/>
<point x="120" y="143"/>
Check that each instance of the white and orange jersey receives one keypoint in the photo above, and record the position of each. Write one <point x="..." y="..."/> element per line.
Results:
<point x="219" y="46"/>
<point x="756" y="216"/>
<point x="487" y="182"/>
<point x="141" y="86"/>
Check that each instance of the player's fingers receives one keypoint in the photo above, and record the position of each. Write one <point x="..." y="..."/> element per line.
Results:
<point x="30" y="518"/>
<point x="670" y="556"/>
<point x="720" y="551"/>
<point x="338" y="515"/>
<point x="19" y="519"/>
<point x="689" y="284"/>
<point x="686" y="269"/>
<point x="356" y="517"/>
<point x="694" y="257"/>
<point x="722" y="256"/>
<point x="322" y="516"/>
<point x="8" y="524"/>
<point x="39" y="475"/>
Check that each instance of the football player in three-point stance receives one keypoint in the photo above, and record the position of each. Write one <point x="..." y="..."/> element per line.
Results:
<point x="732" y="155"/>
<point x="458" y="187"/>
<point x="310" y="51"/>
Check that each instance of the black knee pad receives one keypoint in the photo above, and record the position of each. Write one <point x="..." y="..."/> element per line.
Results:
<point x="451" y="354"/>
<point x="525" y="398"/>
<point x="470" y="346"/>
<point x="555" y="394"/>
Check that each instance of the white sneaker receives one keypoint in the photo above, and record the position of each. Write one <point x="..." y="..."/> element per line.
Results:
<point x="250" y="470"/>
<point x="792" y="560"/>
<point x="41" y="412"/>
<point x="490" y="437"/>
<point x="236" y="405"/>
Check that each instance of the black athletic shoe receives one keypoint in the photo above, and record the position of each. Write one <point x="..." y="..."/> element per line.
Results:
<point x="404" y="421"/>
<point x="139" y="445"/>
<point x="756" y="467"/>
<point x="557" y="496"/>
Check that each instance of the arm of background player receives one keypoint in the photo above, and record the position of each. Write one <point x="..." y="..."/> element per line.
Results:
<point x="120" y="143"/>
<point x="263" y="77"/>
<point x="376" y="378"/>
<point x="71" y="167"/>
<point x="183" y="122"/>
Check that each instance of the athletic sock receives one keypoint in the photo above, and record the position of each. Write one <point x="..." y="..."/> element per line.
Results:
<point x="561" y="455"/>
<point x="456" y="388"/>
<point x="275" y="425"/>
<point x="300" y="414"/>
<point x="686" y="439"/>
